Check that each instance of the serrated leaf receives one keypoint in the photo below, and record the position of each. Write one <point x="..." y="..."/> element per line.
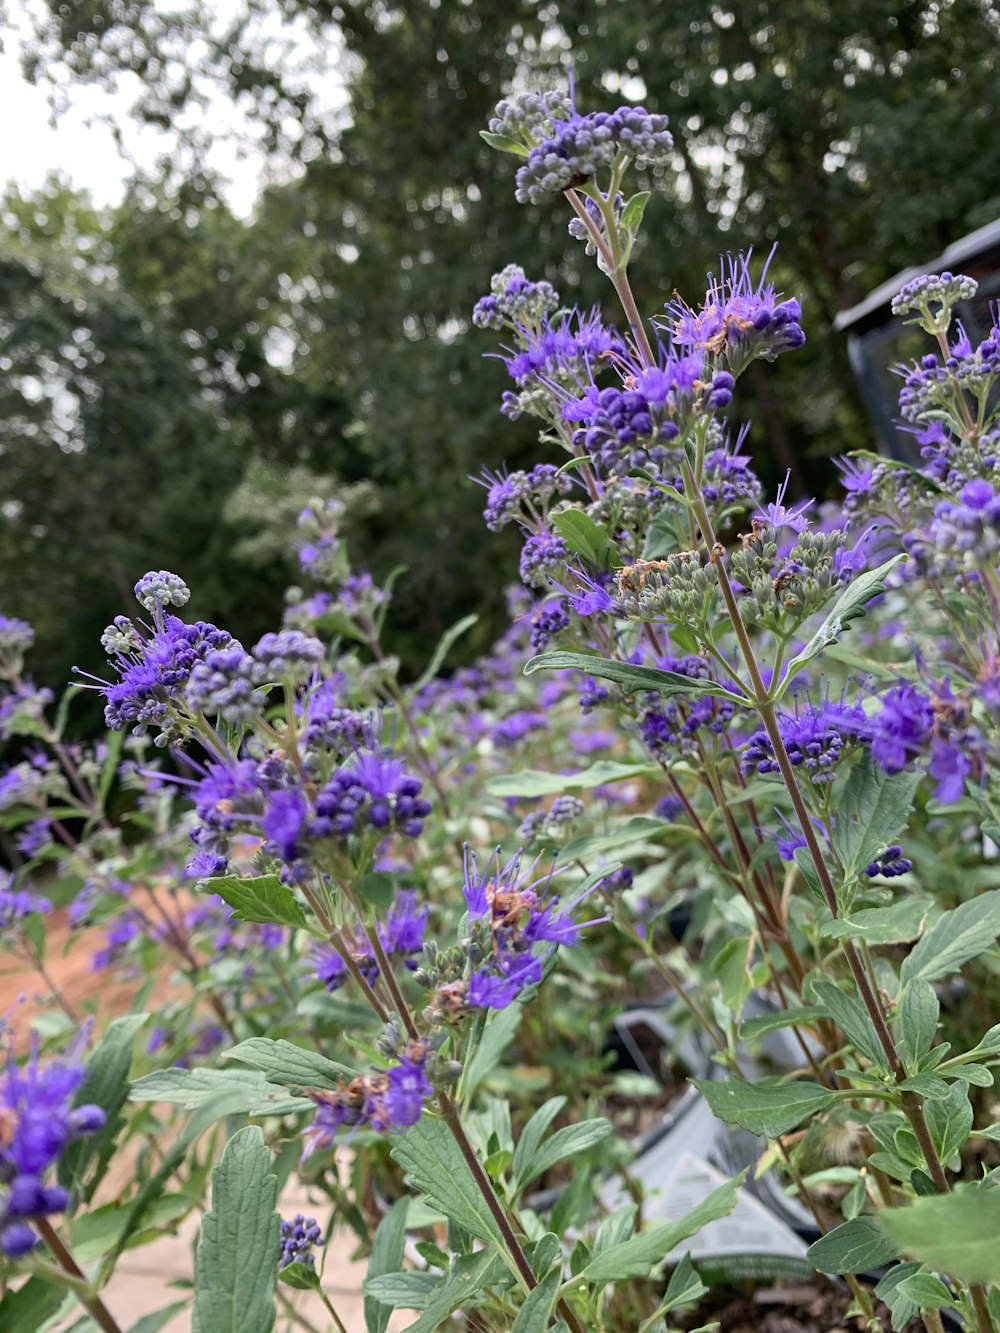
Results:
<point x="848" y="607"/>
<point x="954" y="1233"/>
<point x="262" y="899"/>
<point x="872" y="811"/>
<point x="434" y="1166"/>
<point x="536" y="1312"/>
<point x="105" y="1084"/>
<point x="853" y="1247"/>
<point x="635" y="1257"/>
<point x="386" y="1257"/>
<point x="895" y="924"/>
<point x="630" y="678"/>
<point x="444" y="645"/>
<point x="534" y="782"/>
<point x="586" y="538"/>
<point x="236" y="1264"/>
<point x="961" y="934"/>
<point x="768" y="1107"/>
<point x="504" y="144"/>
<point x="225" y="1091"/>
<point x="290" y="1065"/>
<point x="567" y="1142"/>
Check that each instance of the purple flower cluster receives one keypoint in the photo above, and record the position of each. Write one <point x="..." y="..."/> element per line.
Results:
<point x="38" y="1122"/>
<point x="401" y="935"/>
<point x="890" y="864"/>
<point x="514" y="301"/>
<point x="969" y="528"/>
<point x="541" y="554"/>
<point x="816" y="737"/>
<point x="548" y="620"/>
<point x="510" y="918"/>
<point x="740" y="320"/>
<point x="633" y="427"/>
<point x="386" y="1101"/>
<point x="17" y="904"/>
<point x="16" y="637"/>
<point x="298" y="1239"/>
<point x="911" y="725"/>
<point x="510" y="493"/>
<point x="567" y="348"/>
<point x="583" y="146"/>
<point x="940" y="289"/>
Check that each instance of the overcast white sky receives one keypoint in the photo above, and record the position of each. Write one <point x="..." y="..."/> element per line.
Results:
<point x="84" y="149"/>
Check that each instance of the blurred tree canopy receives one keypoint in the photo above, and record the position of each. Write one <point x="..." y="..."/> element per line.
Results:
<point x="159" y="357"/>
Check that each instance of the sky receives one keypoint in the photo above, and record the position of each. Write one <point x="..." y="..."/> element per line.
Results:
<point x="81" y="145"/>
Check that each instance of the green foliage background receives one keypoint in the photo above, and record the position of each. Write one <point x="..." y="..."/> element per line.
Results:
<point x="176" y="379"/>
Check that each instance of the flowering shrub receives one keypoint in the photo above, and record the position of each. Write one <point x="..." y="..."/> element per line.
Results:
<point x="393" y="917"/>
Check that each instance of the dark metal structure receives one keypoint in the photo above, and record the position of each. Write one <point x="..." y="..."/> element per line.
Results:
<point x="877" y="340"/>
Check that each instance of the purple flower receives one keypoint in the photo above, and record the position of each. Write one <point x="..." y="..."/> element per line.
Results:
<point x="16" y="905"/>
<point x="902" y="728"/>
<point x="777" y="515"/>
<point x="583" y="146"/>
<point x="284" y="823"/>
<point x="298" y="1238"/>
<point x="39" y="1122"/>
<point x="408" y="1088"/>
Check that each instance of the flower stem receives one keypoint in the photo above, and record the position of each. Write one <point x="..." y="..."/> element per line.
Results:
<point x="92" y="1303"/>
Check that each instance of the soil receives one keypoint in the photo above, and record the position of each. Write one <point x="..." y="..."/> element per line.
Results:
<point x="798" y="1308"/>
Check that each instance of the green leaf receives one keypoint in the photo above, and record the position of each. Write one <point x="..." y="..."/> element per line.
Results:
<point x="586" y="538"/>
<point x="889" y="1289"/>
<point x="635" y="1257"/>
<point x="263" y="899"/>
<point x="503" y="144"/>
<point x="685" y="1286"/>
<point x="961" y="934"/>
<point x="105" y="1084"/>
<point x="631" y="219"/>
<point x="236" y="1265"/>
<point x="114" y="742"/>
<point x="570" y="1141"/>
<point x="916" y="1026"/>
<point x="468" y="1276"/>
<point x="805" y="1014"/>
<point x="152" y="1323"/>
<point x="534" y="782"/>
<point x="496" y="1036"/>
<point x="851" y="1017"/>
<point x="430" y="1158"/>
<point x="949" y="1120"/>
<point x="848" y="607"/>
<point x="402" y="1291"/>
<point x="386" y="1257"/>
<point x="225" y="1091"/>
<point x="444" y="644"/>
<point x="895" y="924"/>
<point x="853" y="1247"/>
<point x="630" y="678"/>
<point x="872" y="811"/>
<point x="290" y="1065"/>
<point x="532" y="1135"/>
<point x="955" y="1233"/>
<point x="926" y="1291"/>
<point x="769" y="1107"/>
<point x="303" y="1277"/>
<point x="536" y="1312"/>
<point x="27" y="1309"/>
<point x="641" y="828"/>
